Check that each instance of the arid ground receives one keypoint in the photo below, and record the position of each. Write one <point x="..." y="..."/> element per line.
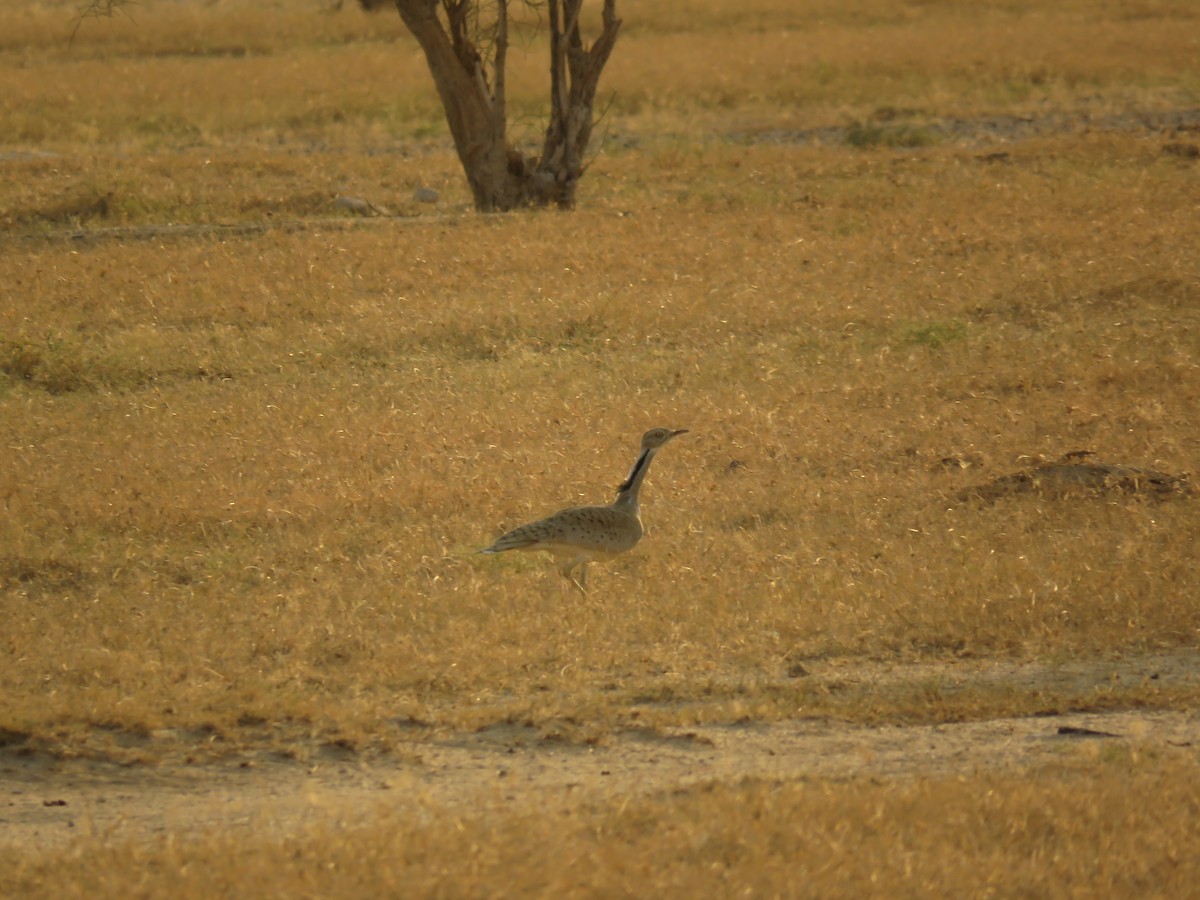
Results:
<point x="917" y="611"/>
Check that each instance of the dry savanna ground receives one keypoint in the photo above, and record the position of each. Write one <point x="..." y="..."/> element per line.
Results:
<point x="874" y="256"/>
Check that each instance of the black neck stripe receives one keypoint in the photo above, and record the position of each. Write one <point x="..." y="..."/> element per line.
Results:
<point x="633" y="473"/>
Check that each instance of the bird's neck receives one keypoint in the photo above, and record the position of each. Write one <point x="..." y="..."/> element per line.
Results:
<point x="627" y="493"/>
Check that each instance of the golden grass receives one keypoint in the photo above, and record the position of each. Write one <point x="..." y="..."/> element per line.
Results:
<point x="243" y="474"/>
<point x="238" y="431"/>
<point x="228" y="72"/>
<point x="294" y="441"/>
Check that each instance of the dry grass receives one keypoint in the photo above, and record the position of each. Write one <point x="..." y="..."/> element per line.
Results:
<point x="243" y="475"/>
<point x="265" y="461"/>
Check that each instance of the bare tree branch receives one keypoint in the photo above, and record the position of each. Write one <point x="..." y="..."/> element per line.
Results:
<point x="96" y="9"/>
<point x="500" y="58"/>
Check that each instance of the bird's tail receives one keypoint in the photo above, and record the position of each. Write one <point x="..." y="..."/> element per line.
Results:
<point x="511" y="541"/>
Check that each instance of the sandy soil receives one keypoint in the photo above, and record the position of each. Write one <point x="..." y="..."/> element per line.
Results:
<point x="47" y="802"/>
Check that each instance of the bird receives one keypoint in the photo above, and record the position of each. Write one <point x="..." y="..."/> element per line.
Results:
<point x="584" y="534"/>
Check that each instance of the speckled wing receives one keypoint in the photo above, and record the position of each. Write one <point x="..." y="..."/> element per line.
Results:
<point x="599" y="529"/>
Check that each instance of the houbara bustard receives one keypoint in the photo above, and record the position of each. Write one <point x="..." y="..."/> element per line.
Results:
<point x="584" y="534"/>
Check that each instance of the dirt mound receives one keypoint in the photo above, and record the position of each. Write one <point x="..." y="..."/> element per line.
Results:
<point x="1068" y="478"/>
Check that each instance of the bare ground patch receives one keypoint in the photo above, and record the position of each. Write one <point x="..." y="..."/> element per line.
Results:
<point x="46" y="802"/>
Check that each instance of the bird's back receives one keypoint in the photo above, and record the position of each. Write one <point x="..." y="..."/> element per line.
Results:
<point x="595" y="529"/>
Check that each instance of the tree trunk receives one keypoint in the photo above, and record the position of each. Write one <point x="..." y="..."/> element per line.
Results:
<point x="501" y="178"/>
<point x="574" y="74"/>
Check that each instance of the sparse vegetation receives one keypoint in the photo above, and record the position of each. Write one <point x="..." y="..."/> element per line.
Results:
<point x="1084" y="824"/>
<point x="250" y="443"/>
<point x="874" y="134"/>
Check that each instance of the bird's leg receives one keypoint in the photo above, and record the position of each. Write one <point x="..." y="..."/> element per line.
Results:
<point x="580" y="582"/>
